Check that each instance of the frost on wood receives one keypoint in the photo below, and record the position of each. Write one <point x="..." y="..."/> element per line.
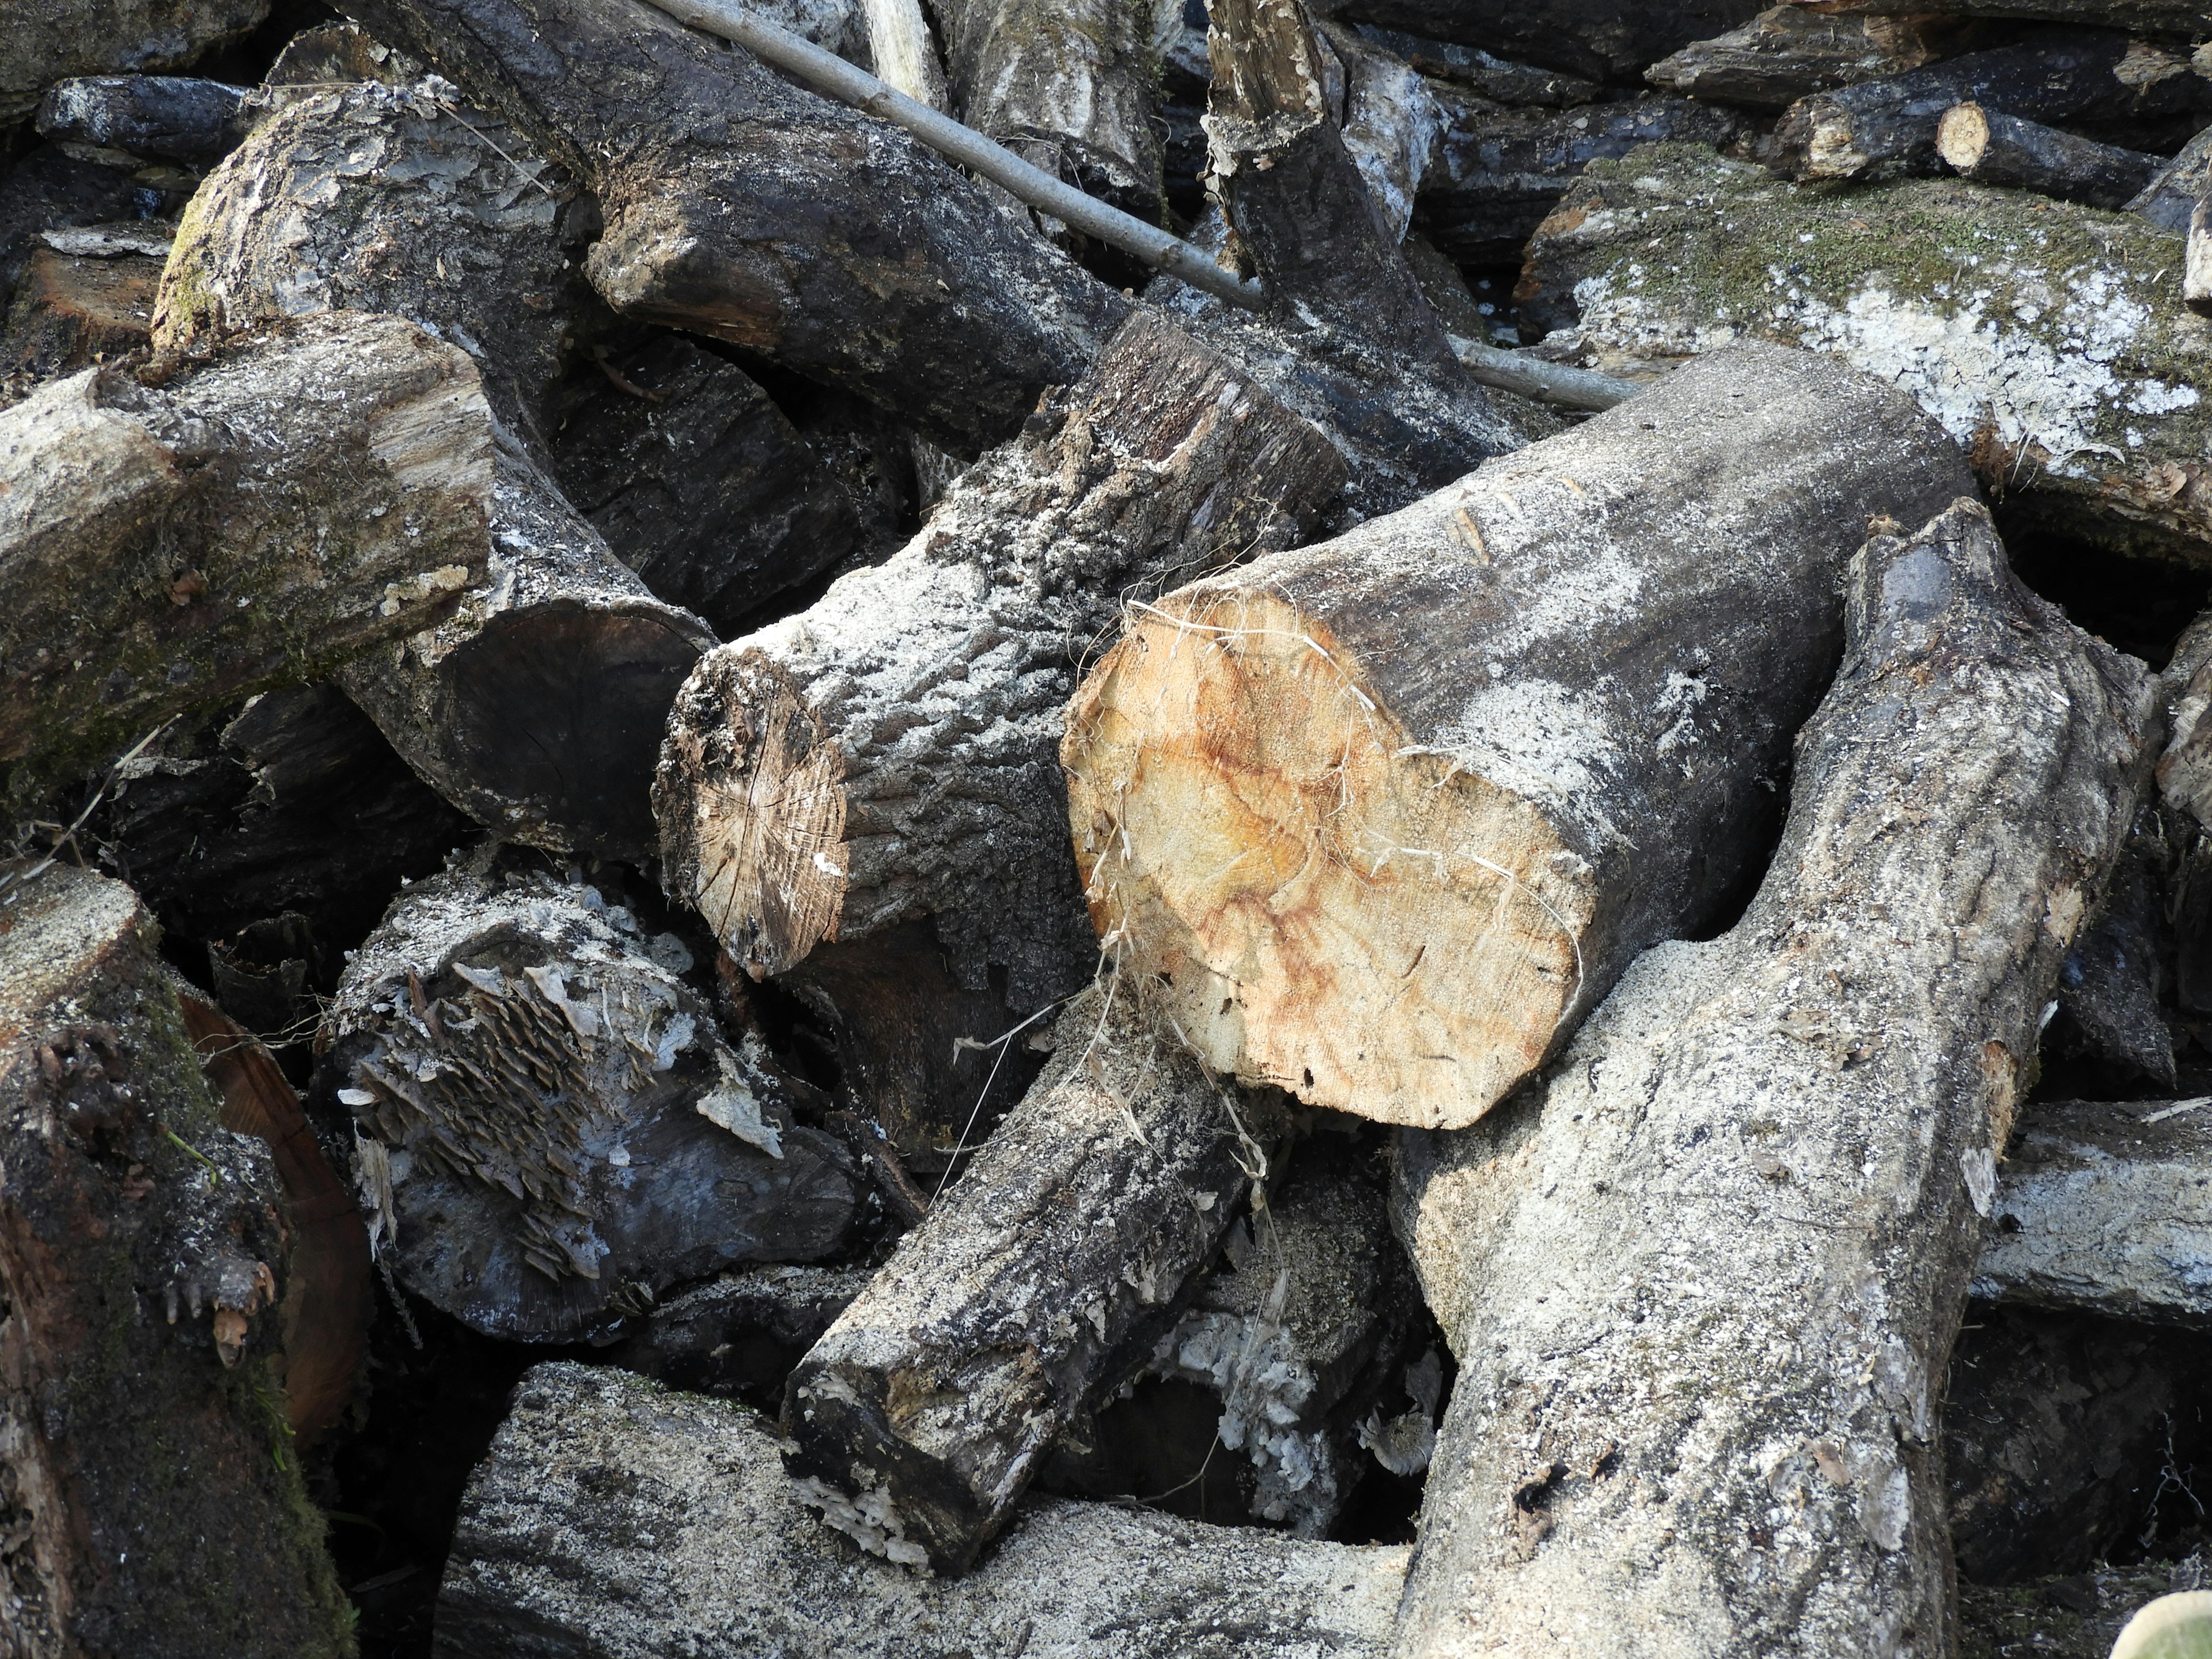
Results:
<point x="1389" y="813"/>
<point x="1827" y="1087"/>
<point x="550" y="1129"/>
<point x="2049" y="339"/>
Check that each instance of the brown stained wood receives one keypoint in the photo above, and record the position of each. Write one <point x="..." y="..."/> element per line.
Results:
<point x="150" y="1489"/>
<point x="889" y="753"/>
<point x="69" y="310"/>
<point x="48" y="191"/>
<point x="1827" y="1087"/>
<point x="1386" y="815"/>
<point x="1992" y="147"/>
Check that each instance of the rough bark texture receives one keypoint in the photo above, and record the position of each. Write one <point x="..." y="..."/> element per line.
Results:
<point x="73" y="310"/>
<point x="889" y="753"/>
<point x="1480" y="72"/>
<point x="313" y="490"/>
<point x="1605" y="40"/>
<point x="2176" y="188"/>
<point x="1390" y="124"/>
<point x="150" y="1504"/>
<point x="1391" y="812"/>
<point x="737" y="205"/>
<point x="1787" y="52"/>
<point x="613" y="1518"/>
<point x="550" y="1130"/>
<point x="738" y="1336"/>
<point x="2108" y="1206"/>
<point x="2063" y="361"/>
<point x="1039" y="1283"/>
<point x="158" y="117"/>
<point x="50" y="40"/>
<point x="1887" y="128"/>
<point x="1657" y="1447"/>
<point x="1992" y="147"/>
<point x="1071" y="86"/>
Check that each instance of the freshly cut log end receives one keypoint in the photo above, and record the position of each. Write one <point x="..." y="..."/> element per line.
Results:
<point x="1962" y="137"/>
<point x="1383" y="816"/>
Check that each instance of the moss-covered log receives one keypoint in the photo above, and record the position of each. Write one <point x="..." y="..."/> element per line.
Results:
<point x="151" y="1502"/>
<point x="2049" y="339"/>
<point x="313" y="490"/>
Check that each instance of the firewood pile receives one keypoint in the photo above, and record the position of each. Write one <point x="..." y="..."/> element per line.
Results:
<point x="1063" y="828"/>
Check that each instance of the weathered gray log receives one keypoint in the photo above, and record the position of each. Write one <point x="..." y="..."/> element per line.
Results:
<point x="1390" y="813"/>
<point x="2108" y="1206"/>
<point x="2176" y="188"/>
<point x="1480" y="72"/>
<point x="2197" y="260"/>
<point x="550" y="1130"/>
<point x="2082" y="415"/>
<point x="700" y="483"/>
<point x="1827" y="1087"/>
<point x="1604" y="39"/>
<point x="1495" y="174"/>
<point x="50" y="40"/>
<point x="2181" y="18"/>
<point x="164" y="117"/>
<point x="153" y="1507"/>
<point x="1788" y="52"/>
<point x="1039" y="1283"/>
<point x="1992" y="147"/>
<point x="1071" y="87"/>
<point x="612" y="1517"/>
<point x="889" y="753"/>
<point x="72" y="310"/>
<point x="1885" y="129"/>
<point x="739" y="206"/>
<point x="738" y="1336"/>
<point x="314" y="490"/>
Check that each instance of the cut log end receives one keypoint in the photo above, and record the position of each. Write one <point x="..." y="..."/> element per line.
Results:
<point x="1962" y="137"/>
<point x="1254" y="830"/>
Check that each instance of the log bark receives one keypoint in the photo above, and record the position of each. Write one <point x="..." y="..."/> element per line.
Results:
<point x="2104" y="1208"/>
<point x="1481" y="73"/>
<point x="738" y="1336"/>
<point x="1390" y="124"/>
<point x="1788" y="52"/>
<point x="2176" y="188"/>
<point x="163" y="117"/>
<point x="1827" y="1086"/>
<point x="612" y="1517"/>
<point x="147" y="1483"/>
<point x="72" y="310"/>
<point x="2104" y="443"/>
<point x="310" y="492"/>
<point x="738" y="206"/>
<point x="1390" y="813"/>
<point x="51" y="40"/>
<point x="1604" y="39"/>
<point x="1886" y="129"/>
<point x="2183" y="19"/>
<point x="889" y="754"/>
<point x="550" y="1130"/>
<point x="1992" y="147"/>
<point x="1039" y="1283"/>
<point x="1496" y="174"/>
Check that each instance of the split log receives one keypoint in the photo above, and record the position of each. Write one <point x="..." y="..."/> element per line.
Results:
<point x="1788" y="52"/>
<point x="2104" y="1209"/>
<point x="901" y="52"/>
<point x="1496" y="174"/>
<point x="163" y="117"/>
<point x="314" y="490"/>
<point x="2055" y="1429"/>
<point x="613" y="1516"/>
<point x="740" y="1336"/>
<point x="1490" y="77"/>
<point x="738" y="206"/>
<point x="72" y="310"/>
<point x="550" y="1128"/>
<point x="889" y="753"/>
<point x="1703" y="1286"/>
<point x="1391" y="123"/>
<point x="700" y="483"/>
<point x="1038" y="1284"/>
<point x="1887" y="128"/>
<point x="50" y="40"/>
<point x="1387" y="814"/>
<point x="2181" y="18"/>
<point x="2105" y="442"/>
<point x="154" y="1506"/>
<point x="1992" y="147"/>
<point x="1071" y="86"/>
<point x="2176" y="188"/>
<point x="1603" y="40"/>
<point x="49" y="190"/>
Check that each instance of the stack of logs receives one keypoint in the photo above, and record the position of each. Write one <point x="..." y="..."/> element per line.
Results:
<point x="651" y="735"/>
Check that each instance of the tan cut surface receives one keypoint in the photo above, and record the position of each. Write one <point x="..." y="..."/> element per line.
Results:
<point x="1335" y="910"/>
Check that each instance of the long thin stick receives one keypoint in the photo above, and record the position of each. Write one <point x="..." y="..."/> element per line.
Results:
<point x="827" y="72"/>
<point x="1549" y="383"/>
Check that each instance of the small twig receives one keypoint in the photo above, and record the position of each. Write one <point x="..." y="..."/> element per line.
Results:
<point x="195" y="1151"/>
<point x="622" y="382"/>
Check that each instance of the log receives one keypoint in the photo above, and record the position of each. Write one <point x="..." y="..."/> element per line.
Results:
<point x="1992" y="147"/>
<point x="738" y="1336"/>
<point x="1886" y="129"/>
<point x="1825" y="1087"/>
<point x="1492" y="77"/>
<point x="2102" y="442"/>
<point x="611" y="1516"/>
<point x="903" y="53"/>
<point x="2179" y="185"/>
<point x="72" y="310"/>
<point x="1495" y="174"/>
<point x="1788" y="52"/>
<point x="738" y="206"/>
<point x="317" y="488"/>
<point x="1610" y="40"/>
<point x="1388" y="815"/>
<point x="2197" y="260"/>
<point x="550" y="1130"/>
<point x="313" y="59"/>
<point x="51" y="40"/>
<point x="2181" y="18"/>
<point x="889" y="753"/>
<point x="160" y="118"/>
<point x="1391" y="123"/>
<point x="1039" y="1283"/>
<point x="153" y="1503"/>
<point x="49" y="190"/>
<point x="2103" y="1209"/>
